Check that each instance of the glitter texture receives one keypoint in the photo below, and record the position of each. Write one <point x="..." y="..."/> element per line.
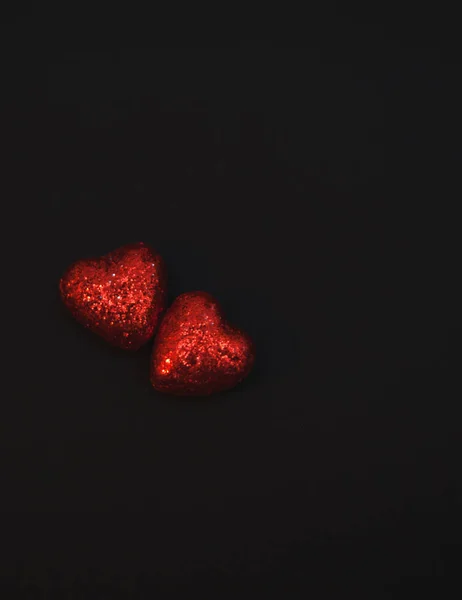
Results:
<point x="196" y="352"/>
<point x="119" y="296"/>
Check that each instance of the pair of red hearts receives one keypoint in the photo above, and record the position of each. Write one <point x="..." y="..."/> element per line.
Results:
<point x="121" y="296"/>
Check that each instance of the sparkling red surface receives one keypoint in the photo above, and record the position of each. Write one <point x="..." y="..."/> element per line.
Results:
<point x="119" y="296"/>
<point x="196" y="352"/>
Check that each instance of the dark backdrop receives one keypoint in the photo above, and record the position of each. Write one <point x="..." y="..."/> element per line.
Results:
<point x="310" y="184"/>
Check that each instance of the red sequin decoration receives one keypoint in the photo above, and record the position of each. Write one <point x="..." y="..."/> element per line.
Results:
<point x="119" y="296"/>
<point x="196" y="352"/>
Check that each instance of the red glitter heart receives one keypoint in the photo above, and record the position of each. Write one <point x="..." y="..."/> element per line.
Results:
<point x="119" y="296"/>
<point x="196" y="352"/>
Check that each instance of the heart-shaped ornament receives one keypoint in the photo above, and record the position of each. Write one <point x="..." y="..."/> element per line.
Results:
<point x="120" y="296"/>
<point x="196" y="352"/>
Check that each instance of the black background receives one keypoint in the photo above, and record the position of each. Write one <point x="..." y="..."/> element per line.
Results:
<point x="311" y="185"/>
